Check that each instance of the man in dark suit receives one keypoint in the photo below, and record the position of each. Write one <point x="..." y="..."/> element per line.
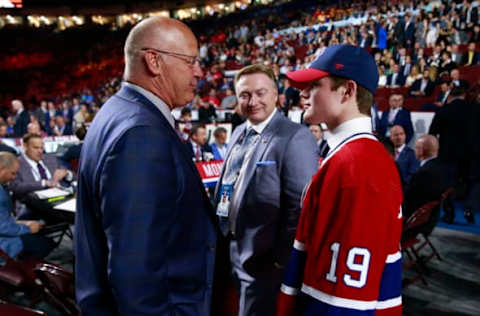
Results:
<point x="456" y="81"/>
<point x="422" y="87"/>
<point x="61" y="127"/>
<point x="268" y="164"/>
<point x="22" y="118"/>
<point x="145" y="231"/>
<point x="396" y="78"/>
<point x="409" y="29"/>
<point x="197" y="144"/>
<point x="395" y="115"/>
<point x="404" y="155"/>
<point x="427" y="183"/>
<point x="471" y="57"/>
<point x="452" y="124"/>
<point x="37" y="171"/>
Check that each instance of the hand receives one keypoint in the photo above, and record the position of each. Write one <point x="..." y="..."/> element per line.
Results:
<point x="59" y="174"/>
<point x="51" y="183"/>
<point x="34" y="226"/>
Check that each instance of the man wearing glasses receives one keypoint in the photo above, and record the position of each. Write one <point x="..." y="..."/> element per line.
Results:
<point x="145" y="231"/>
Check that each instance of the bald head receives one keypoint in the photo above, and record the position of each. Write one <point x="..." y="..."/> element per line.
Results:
<point x="155" y="32"/>
<point x="158" y="54"/>
<point x="426" y="147"/>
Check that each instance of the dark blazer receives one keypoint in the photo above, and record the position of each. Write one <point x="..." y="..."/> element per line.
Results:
<point x="452" y="123"/>
<point x="410" y="32"/>
<point x="267" y="199"/>
<point x="407" y="164"/>
<point x="145" y="232"/>
<point x="403" y="118"/>
<point x="400" y="81"/>
<point x="204" y="149"/>
<point x="417" y="84"/>
<point x="427" y="184"/>
<point x="25" y="181"/>
<point x="67" y="130"/>
<point x="475" y="59"/>
<point x="21" y="124"/>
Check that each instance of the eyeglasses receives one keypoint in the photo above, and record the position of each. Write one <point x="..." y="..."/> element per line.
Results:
<point x="191" y="60"/>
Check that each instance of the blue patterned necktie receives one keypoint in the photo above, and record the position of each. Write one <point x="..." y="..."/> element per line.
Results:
<point x="235" y="162"/>
<point x="42" y="171"/>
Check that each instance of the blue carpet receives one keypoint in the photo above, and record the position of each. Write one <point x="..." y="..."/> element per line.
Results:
<point x="460" y="223"/>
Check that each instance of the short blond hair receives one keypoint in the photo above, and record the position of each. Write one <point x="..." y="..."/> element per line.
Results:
<point x="254" y="69"/>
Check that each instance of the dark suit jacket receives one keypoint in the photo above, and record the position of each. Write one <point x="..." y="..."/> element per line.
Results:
<point x="407" y="164"/>
<point x="426" y="185"/>
<point x="452" y="123"/>
<point x="25" y="181"/>
<point x="403" y="118"/>
<point x="204" y="149"/>
<point x="417" y="84"/>
<point x="267" y="200"/>
<point x="145" y="231"/>
<point x="410" y="32"/>
<point x="21" y="123"/>
<point x="400" y="79"/>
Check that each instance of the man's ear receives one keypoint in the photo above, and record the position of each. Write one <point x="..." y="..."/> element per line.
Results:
<point x="153" y="63"/>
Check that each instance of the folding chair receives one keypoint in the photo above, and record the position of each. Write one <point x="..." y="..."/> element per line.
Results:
<point x="409" y="240"/>
<point x="40" y="281"/>
<point x="7" y="309"/>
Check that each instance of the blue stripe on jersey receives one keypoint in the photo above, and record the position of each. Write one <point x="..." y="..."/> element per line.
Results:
<point x="312" y="307"/>
<point x="391" y="283"/>
<point x="294" y="272"/>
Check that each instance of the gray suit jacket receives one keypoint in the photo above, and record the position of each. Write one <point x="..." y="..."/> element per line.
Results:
<point x="25" y="181"/>
<point x="268" y="198"/>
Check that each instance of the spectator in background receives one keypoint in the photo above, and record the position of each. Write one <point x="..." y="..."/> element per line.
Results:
<point x="22" y="118"/>
<point x="456" y="81"/>
<point x="3" y="129"/>
<point x="452" y="125"/>
<point x="18" y="236"/>
<point x="40" y="113"/>
<point x="72" y="154"/>
<point x="61" y="128"/>
<point x="396" y="115"/>
<point x="237" y="117"/>
<point x="322" y="144"/>
<point x="396" y="78"/>
<point x="471" y="57"/>
<point x="229" y="101"/>
<point x="207" y="112"/>
<point x="198" y="143"/>
<point x="422" y="87"/>
<point x="34" y="128"/>
<point x="404" y="155"/>
<point x="219" y="146"/>
<point x="184" y="124"/>
<point x="81" y="116"/>
<point x="427" y="183"/>
<point x="413" y="76"/>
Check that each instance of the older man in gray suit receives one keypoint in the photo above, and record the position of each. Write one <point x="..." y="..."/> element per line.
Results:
<point x="270" y="162"/>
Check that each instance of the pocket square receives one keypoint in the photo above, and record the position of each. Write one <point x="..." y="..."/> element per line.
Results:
<point x="266" y="163"/>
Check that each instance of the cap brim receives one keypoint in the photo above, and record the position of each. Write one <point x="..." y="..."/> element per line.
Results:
<point x="301" y="78"/>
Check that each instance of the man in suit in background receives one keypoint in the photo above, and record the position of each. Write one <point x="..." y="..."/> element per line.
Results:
<point x="199" y="149"/>
<point x="427" y="183"/>
<point x="422" y="87"/>
<point x="219" y="146"/>
<point x="22" y="118"/>
<point x="268" y="164"/>
<point x="145" y="232"/>
<point x="317" y="133"/>
<point x="18" y="236"/>
<point x="471" y="57"/>
<point x="404" y="155"/>
<point x="37" y="171"/>
<point x="452" y="124"/>
<point x="395" y="115"/>
<point x="396" y="78"/>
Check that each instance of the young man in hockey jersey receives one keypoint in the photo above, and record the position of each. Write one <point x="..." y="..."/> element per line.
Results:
<point x="346" y="258"/>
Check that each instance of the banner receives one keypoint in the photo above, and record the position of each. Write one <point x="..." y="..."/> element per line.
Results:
<point x="210" y="171"/>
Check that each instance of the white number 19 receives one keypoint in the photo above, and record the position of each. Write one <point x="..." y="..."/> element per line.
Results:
<point x="361" y="267"/>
